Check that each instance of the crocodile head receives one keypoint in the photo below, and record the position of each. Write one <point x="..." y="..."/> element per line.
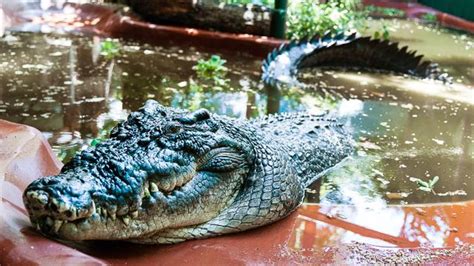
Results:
<point x="162" y="169"/>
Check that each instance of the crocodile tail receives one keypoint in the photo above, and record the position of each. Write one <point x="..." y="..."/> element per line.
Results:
<point x="367" y="53"/>
<point x="282" y="64"/>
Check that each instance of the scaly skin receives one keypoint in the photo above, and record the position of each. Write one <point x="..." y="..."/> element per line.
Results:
<point x="282" y="65"/>
<point x="167" y="175"/>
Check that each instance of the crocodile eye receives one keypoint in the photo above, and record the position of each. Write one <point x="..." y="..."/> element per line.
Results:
<point x="196" y="116"/>
<point x="173" y="128"/>
<point x="201" y="115"/>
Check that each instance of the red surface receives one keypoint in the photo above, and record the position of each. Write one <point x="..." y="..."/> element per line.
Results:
<point x="314" y="234"/>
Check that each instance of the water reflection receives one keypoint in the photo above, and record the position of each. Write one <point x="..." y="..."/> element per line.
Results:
<point x="387" y="226"/>
<point x="66" y="88"/>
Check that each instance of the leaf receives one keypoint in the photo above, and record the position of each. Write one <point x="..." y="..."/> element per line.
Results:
<point x="434" y="181"/>
<point x="419" y="182"/>
<point x="425" y="189"/>
<point x="109" y="48"/>
<point x="424" y="184"/>
<point x="211" y="69"/>
<point x="94" y="142"/>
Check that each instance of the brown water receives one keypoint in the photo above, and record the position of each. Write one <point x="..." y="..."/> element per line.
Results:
<point x="405" y="128"/>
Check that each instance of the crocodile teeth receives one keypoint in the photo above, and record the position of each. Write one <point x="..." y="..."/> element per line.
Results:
<point x="43" y="199"/>
<point x="153" y="187"/>
<point x="104" y="212"/>
<point x="126" y="220"/>
<point x="134" y="214"/>
<point x="62" y="207"/>
<point x="112" y="209"/>
<point x="113" y="216"/>
<point x="57" y="225"/>
<point x="93" y="207"/>
<point x="146" y="192"/>
<point x="74" y="213"/>
<point x="32" y="194"/>
<point x="98" y="210"/>
<point x="55" y="202"/>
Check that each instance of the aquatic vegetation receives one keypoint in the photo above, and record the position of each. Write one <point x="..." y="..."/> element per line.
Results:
<point x="66" y="153"/>
<point x="210" y="68"/>
<point x="110" y="48"/>
<point x="427" y="186"/>
<point x="382" y="33"/>
<point x="96" y="141"/>
<point x="429" y="18"/>
<point x="385" y="11"/>
<point x="213" y="70"/>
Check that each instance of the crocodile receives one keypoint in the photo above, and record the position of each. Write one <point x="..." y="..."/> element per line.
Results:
<point x="168" y="175"/>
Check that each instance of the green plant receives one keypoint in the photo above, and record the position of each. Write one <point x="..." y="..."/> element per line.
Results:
<point x="110" y="48"/>
<point x="104" y="131"/>
<point x="65" y="153"/>
<point x="96" y="141"/>
<point x="213" y="70"/>
<point x="384" y="33"/>
<point x="210" y="68"/>
<point x="429" y="17"/>
<point x="309" y="18"/>
<point x="427" y="186"/>
<point x="385" y="11"/>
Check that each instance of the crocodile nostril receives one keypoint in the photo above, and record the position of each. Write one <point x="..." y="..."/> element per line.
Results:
<point x="59" y="206"/>
<point x="37" y="198"/>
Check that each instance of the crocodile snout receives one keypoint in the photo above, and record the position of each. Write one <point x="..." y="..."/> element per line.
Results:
<point x="41" y="203"/>
<point x="37" y="199"/>
<point x="52" y="203"/>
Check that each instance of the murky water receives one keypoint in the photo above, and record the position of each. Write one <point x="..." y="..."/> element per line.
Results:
<point x="407" y="130"/>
